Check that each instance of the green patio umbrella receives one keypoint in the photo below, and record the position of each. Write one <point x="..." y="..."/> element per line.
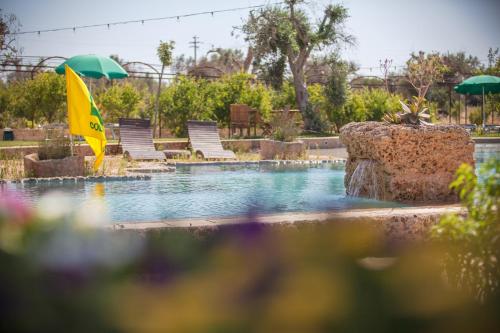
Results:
<point x="94" y="66"/>
<point x="479" y="85"/>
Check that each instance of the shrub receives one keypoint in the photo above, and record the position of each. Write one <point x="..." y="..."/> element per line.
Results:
<point x="473" y="239"/>
<point x="476" y="116"/>
<point x="363" y="105"/>
<point x="57" y="148"/>
<point x="319" y="108"/>
<point x="199" y="99"/>
<point x="285" y="97"/>
<point x="185" y="99"/>
<point x="379" y="102"/>
<point x="121" y="100"/>
<point x="284" y="127"/>
<point x="355" y="108"/>
<point x="238" y="89"/>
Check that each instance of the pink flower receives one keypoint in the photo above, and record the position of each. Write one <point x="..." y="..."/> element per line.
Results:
<point x="13" y="209"/>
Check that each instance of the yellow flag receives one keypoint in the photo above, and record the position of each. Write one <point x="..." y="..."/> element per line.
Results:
<point x="83" y="116"/>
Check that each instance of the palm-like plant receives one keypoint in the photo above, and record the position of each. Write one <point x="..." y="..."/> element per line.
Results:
<point x="413" y="113"/>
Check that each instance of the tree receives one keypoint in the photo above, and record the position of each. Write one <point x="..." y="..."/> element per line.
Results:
<point x="493" y="100"/>
<point x="51" y="91"/>
<point x="182" y="64"/>
<point x="460" y="66"/>
<point x="423" y="70"/>
<point x="385" y="68"/>
<point x="164" y="52"/>
<point x="271" y="70"/>
<point x="5" y="115"/>
<point x="121" y="100"/>
<point x="337" y="86"/>
<point x="9" y="25"/>
<point x="117" y="58"/>
<point x="42" y="97"/>
<point x="493" y="62"/>
<point x="290" y="32"/>
<point x="185" y="99"/>
<point x="284" y="97"/>
<point x="227" y="60"/>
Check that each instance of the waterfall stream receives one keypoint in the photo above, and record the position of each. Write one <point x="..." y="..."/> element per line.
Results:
<point x="364" y="180"/>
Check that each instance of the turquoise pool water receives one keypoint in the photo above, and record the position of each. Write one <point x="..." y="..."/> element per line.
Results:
<point x="208" y="191"/>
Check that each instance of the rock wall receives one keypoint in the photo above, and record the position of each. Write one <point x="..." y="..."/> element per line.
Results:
<point x="405" y="163"/>
<point x="271" y="150"/>
<point x="70" y="166"/>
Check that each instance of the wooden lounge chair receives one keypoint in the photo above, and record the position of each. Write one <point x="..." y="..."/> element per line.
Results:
<point x="136" y="139"/>
<point x="205" y="141"/>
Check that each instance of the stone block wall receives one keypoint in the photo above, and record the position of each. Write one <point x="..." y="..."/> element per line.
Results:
<point x="72" y="166"/>
<point x="270" y="149"/>
<point x="404" y="163"/>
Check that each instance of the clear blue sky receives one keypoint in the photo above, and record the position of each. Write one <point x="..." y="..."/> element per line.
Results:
<point x="383" y="28"/>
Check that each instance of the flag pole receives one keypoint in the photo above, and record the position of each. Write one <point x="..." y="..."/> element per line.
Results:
<point x="71" y="144"/>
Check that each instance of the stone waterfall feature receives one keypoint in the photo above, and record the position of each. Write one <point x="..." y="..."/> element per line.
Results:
<point x="404" y="163"/>
<point x="363" y="180"/>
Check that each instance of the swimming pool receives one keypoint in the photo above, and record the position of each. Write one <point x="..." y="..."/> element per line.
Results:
<point x="216" y="190"/>
<point x="220" y="190"/>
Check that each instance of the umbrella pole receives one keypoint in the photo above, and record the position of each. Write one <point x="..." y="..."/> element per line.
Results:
<point x="482" y="109"/>
<point x="465" y="105"/>
<point x="492" y="115"/>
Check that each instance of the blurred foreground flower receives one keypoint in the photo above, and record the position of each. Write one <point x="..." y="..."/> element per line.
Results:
<point x="62" y="234"/>
<point x="13" y="208"/>
<point x="71" y="276"/>
<point x="15" y="214"/>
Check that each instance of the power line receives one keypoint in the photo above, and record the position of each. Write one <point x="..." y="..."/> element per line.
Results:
<point x="142" y="21"/>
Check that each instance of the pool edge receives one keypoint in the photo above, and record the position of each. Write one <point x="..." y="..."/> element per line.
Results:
<point x="401" y="222"/>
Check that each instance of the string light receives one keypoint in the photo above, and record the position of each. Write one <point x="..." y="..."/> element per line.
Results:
<point x="178" y="17"/>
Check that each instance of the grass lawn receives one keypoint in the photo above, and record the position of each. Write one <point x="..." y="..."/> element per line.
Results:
<point x="4" y="144"/>
<point x="18" y="143"/>
<point x="485" y="135"/>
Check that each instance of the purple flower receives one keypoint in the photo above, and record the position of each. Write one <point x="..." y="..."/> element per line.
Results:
<point x="13" y="208"/>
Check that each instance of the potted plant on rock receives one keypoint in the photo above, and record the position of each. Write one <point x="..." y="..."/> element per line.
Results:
<point x="283" y="145"/>
<point x="54" y="159"/>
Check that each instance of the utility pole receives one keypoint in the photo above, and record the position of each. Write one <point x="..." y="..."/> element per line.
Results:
<point x="195" y="45"/>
